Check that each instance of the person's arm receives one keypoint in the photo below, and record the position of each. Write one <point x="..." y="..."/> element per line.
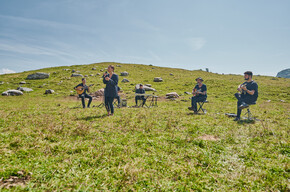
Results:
<point x="250" y="92"/>
<point x="204" y="90"/>
<point x="114" y="80"/>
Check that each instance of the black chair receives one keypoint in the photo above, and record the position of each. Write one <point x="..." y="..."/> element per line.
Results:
<point x="200" y="107"/>
<point x="248" y="115"/>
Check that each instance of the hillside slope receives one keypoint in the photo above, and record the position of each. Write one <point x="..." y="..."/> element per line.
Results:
<point x="50" y="144"/>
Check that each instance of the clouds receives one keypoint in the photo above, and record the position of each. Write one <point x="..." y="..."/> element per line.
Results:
<point x="196" y="43"/>
<point x="6" y="71"/>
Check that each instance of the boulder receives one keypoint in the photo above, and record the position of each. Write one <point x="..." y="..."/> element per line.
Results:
<point x="22" y="82"/>
<point x="187" y="93"/>
<point x="171" y="74"/>
<point x="86" y="75"/>
<point x="148" y="85"/>
<point x="38" y="75"/>
<point x="124" y="73"/>
<point x="91" y="75"/>
<point x="125" y="80"/>
<point x="49" y="91"/>
<point x="76" y="75"/>
<point x="73" y="71"/>
<point x="172" y="95"/>
<point x="100" y="92"/>
<point x="24" y="89"/>
<point x="145" y="87"/>
<point x="158" y="79"/>
<point x="98" y="74"/>
<point x="12" y="92"/>
<point x="284" y="73"/>
<point x="94" y="68"/>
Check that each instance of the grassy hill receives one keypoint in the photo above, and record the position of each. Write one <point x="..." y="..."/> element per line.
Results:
<point x="48" y="144"/>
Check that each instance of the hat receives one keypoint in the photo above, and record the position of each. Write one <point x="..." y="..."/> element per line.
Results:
<point x="199" y="79"/>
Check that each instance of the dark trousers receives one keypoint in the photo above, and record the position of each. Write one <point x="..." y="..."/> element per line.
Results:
<point x="118" y="99"/>
<point x="109" y="104"/>
<point x="83" y="96"/>
<point x="241" y="100"/>
<point x="196" y="99"/>
<point x="140" y="98"/>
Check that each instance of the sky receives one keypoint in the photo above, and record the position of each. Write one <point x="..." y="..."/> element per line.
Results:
<point x="226" y="36"/>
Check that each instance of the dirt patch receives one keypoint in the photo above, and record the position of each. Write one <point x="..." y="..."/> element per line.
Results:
<point x="13" y="181"/>
<point x="209" y="138"/>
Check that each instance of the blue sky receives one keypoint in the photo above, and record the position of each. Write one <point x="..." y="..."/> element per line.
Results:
<point x="226" y="36"/>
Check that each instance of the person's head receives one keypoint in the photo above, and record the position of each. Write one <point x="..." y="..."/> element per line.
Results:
<point x="141" y="86"/>
<point x="199" y="80"/>
<point x="111" y="68"/>
<point x="84" y="80"/>
<point x="248" y="75"/>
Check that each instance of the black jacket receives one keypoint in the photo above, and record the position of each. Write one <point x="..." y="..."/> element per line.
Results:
<point x="111" y="89"/>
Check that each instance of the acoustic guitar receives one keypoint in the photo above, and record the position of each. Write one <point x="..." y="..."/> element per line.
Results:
<point x="80" y="89"/>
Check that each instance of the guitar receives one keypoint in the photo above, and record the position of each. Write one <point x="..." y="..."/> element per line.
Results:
<point x="80" y="89"/>
<point x="241" y="86"/>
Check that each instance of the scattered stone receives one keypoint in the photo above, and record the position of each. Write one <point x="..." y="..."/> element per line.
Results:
<point x="158" y="79"/>
<point x="125" y="73"/>
<point x="54" y="73"/>
<point x="94" y="68"/>
<point x="100" y="92"/>
<point x="38" y="75"/>
<point x="145" y="87"/>
<point x="91" y="75"/>
<point x="284" y="73"/>
<point x="86" y="75"/>
<point x="60" y="82"/>
<point x="171" y="74"/>
<point x="282" y="101"/>
<point x="49" y="91"/>
<point x="24" y="89"/>
<point x="12" y="92"/>
<point x="148" y="85"/>
<point x="269" y="101"/>
<point x="187" y="93"/>
<point x="125" y="80"/>
<point x="172" y="95"/>
<point x="73" y="71"/>
<point x="101" y="70"/>
<point x="98" y="74"/>
<point x="22" y="82"/>
<point x="66" y="69"/>
<point x="119" y="66"/>
<point x="72" y="93"/>
<point x="76" y="75"/>
<point x="1" y="82"/>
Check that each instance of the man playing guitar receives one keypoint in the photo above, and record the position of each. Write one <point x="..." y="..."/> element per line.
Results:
<point x="199" y="94"/>
<point x="82" y="90"/>
<point x="248" y="95"/>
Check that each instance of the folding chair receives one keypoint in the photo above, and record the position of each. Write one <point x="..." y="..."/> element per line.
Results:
<point x="248" y="115"/>
<point x="201" y="103"/>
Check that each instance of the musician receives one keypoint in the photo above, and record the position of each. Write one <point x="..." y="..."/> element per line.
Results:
<point x="84" y="94"/>
<point x="248" y="93"/>
<point x="141" y="90"/>
<point x="111" y="91"/>
<point x="199" y="94"/>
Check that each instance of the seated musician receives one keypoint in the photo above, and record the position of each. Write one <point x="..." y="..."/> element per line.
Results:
<point x="248" y="93"/>
<point x="141" y="90"/>
<point x="84" y="94"/>
<point x="199" y="94"/>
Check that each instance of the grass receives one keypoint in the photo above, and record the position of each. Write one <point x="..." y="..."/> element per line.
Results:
<point x="156" y="149"/>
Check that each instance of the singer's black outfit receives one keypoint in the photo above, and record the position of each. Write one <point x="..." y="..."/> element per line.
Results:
<point x="111" y="91"/>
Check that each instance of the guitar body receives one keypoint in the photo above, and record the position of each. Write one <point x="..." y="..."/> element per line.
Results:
<point x="80" y="89"/>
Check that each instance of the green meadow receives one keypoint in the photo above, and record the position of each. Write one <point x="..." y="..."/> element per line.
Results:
<point x="50" y="144"/>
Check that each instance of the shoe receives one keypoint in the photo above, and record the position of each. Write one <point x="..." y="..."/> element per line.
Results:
<point x="237" y="119"/>
<point x="243" y="106"/>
